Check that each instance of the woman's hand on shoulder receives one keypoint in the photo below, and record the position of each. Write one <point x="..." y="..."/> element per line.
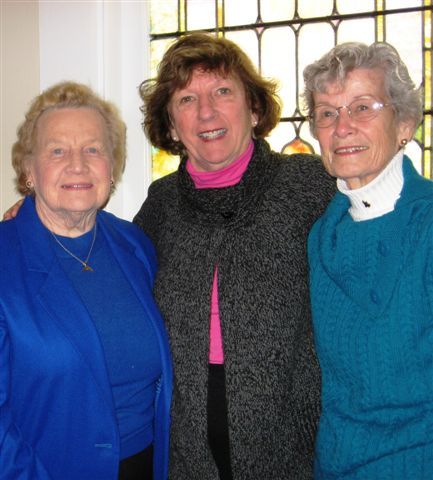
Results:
<point x="13" y="211"/>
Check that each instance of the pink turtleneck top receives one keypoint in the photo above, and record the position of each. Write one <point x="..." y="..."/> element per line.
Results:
<point x="226" y="177"/>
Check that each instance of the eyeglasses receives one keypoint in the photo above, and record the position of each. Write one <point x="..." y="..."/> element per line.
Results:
<point x="361" y="110"/>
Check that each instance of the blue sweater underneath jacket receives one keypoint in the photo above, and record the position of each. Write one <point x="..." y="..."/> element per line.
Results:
<point x="372" y="300"/>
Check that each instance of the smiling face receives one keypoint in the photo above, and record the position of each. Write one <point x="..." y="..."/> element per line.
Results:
<point x="358" y="151"/>
<point x="212" y="118"/>
<point x="71" y="166"/>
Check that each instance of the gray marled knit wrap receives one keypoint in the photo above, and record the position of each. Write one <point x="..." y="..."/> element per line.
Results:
<point x="256" y="232"/>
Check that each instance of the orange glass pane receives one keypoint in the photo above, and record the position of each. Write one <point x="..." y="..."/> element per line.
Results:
<point x="298" y="146"/>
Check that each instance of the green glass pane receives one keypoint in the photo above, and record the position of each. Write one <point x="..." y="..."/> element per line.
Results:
<point x="280" y="64"/>
<point x="274" y="10"/>
<point x="311" y="9"/>
<point x="163" y="16"/>
<point x="240" y="13"/>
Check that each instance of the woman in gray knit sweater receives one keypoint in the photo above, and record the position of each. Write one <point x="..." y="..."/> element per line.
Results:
<point x="230" y="229"/>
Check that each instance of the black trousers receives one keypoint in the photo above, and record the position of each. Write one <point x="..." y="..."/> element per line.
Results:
<point x="217" y="425"/>
<point x="138" y="466"/>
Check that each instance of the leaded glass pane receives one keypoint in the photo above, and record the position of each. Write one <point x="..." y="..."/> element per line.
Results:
<point x="400" y="33"/>
<point x="392" y="4"/>
<point x="414" y="152"/>
<point x="201" y="14"/>
<point x="238" y="13"/>
<point x="282" y="51"/>
<point x="281" y="135"/>
<point x="163" y="16"/>
<point x="163" y="163"/>
<point x="307" y="136"/>
<point x="280" y="64"/>
<point x="157" y="49"/>
<point x="360" y="30"/>
<point x="314" y="41"/>
<point x="346" y="7"/>
<point x="309" y="9"/>
<point x="247" y="40"/>
<point x="274" y="10"/>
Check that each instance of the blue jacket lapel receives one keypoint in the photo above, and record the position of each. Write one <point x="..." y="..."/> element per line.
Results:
<point x="58" y="297"/>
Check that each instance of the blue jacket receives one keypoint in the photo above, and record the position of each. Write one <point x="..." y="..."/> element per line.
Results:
<point x="57" y="418"/>
<point x="372" y="301"/>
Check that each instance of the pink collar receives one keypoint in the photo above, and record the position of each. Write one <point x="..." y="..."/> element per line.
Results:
<point x="226" y="177"/>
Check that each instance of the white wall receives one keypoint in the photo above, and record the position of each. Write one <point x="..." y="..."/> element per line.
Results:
<point x="19" y="81"/>
<point x="103" y="44"/>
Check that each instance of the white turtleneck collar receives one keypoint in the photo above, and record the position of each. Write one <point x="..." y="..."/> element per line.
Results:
<point x="380" y="195"/>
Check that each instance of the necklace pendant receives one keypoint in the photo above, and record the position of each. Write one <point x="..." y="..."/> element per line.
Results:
<point x="86" y="268"/>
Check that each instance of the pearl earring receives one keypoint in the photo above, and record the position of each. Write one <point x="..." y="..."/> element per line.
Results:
<point x="403" y="142"/>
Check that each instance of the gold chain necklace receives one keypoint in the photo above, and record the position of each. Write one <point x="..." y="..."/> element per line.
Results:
<point x="86" y="267"/>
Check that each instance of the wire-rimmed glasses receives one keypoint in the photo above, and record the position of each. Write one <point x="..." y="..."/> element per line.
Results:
<point x="362" y="109"/>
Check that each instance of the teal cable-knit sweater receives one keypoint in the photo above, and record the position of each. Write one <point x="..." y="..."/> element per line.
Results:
<point x="372" y="300"/>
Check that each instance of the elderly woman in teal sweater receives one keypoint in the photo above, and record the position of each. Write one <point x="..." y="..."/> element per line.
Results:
<point x="371" y="267"/>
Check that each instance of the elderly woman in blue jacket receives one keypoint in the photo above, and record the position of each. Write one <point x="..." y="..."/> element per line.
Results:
<point x="85" y="377"/>
<point x="371" y="270"/>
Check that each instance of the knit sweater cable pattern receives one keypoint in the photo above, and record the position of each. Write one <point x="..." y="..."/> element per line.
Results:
<point x="256" y="232"/>
<point x="372" y="300"/>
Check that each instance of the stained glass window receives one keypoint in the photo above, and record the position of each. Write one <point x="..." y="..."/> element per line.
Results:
<point x="283" y="36"/>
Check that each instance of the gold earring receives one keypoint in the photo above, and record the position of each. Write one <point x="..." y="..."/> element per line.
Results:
<point x="29" y="184"/>
<point x="403" y="142"/>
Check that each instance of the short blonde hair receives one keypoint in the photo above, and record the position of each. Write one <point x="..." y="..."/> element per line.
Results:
<point x="67" y="95"/>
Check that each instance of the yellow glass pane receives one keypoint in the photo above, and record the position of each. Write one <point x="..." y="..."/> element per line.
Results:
<point x="360" y="30"/>
<point x="280" y="64"/>
<point x="428" y="131"/>
<point x="163" y="163"/>
<point x="163" y="16"/>
<point x="202" y="14"/>
<point x="428" y="80"/>
<point x="309" y="9"/>
<point x="240" y="13"/>
<point x="274" y="10"/>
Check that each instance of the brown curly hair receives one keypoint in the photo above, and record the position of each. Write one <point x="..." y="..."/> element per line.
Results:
<point x="67" y="95"/>
<point x="212" y="54"/>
